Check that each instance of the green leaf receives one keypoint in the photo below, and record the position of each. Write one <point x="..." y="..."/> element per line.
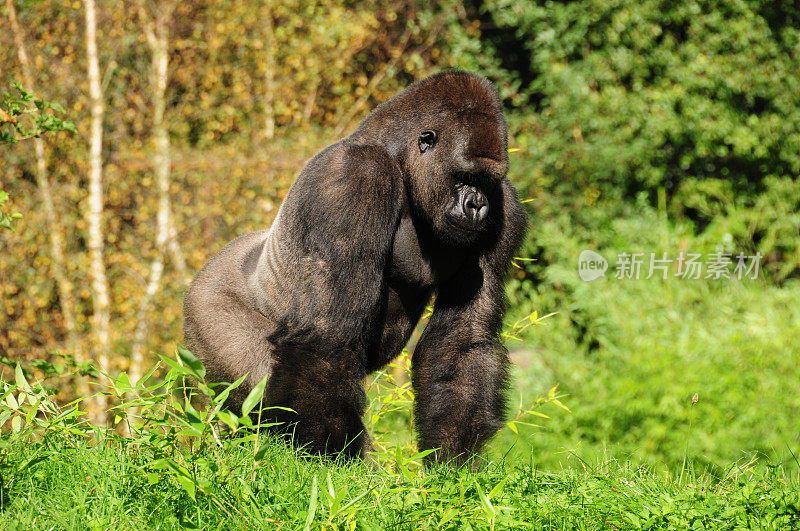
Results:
<point x="19" y="376"/>
<point x="191" y="361"/>
<point x="188" y="485"/>
<point x="123" y="381"/>
<point x="33" y="410"/>
<point x="30" y="463"/>
<point x="356" y="499"/>
<point x="488" y="508"/>
<point x="11" y="400"/>
<point x="177" y="367"/>
<point x="312" y="504"/>
<point x="230" y="420"/>
<point x="262" y="452"/>
<point x="220" y="399"/>
<point x="497" y="488"/>
<point x="147" y="376"/>
<point x="254" y="397"/>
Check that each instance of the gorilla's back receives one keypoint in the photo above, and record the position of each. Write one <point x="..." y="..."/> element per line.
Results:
<point x="223" y="326"/>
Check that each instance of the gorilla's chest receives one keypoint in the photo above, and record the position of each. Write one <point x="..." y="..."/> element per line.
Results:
<point x="416" y="267"/>
<point x="408" y="265"/>
<point x="417" y="263"/>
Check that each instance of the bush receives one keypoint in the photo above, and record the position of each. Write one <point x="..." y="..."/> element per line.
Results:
<point x="700" y="100"/>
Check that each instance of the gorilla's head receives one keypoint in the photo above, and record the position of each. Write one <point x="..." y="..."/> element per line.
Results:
<point x="451" y="144"/>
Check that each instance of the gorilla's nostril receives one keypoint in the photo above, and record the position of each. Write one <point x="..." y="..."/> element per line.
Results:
<point x="476" y="203"/>
<point x="480" y="212"/>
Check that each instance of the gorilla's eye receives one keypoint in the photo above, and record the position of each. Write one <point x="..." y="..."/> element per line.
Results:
<point x="427" y="140"/>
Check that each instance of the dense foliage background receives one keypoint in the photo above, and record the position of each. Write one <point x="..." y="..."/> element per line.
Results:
<point x="636" y="126"/>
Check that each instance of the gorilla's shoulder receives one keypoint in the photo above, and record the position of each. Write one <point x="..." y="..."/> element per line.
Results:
<point x="347" y="161"/>
<point x="245" y="241"/>
<point x="369" y="158"/>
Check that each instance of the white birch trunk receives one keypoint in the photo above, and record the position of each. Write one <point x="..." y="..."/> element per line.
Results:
<point x="161" y="164"/>
<point x="54" y="230"/>
<point x="176" y="253"/>
<point x="269" y="79"/>
<point x="94" y="215"/>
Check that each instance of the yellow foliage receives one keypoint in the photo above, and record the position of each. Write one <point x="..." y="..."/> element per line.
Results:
<point x="227" y="179"/>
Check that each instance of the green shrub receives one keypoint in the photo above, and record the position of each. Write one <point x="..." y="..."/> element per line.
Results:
<point x="696" y="101"/>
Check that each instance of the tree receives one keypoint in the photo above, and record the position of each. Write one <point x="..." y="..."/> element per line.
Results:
<point x="94" y="214"/>
<point x="54" y="229"/>
<point x="157" y="34"/>
<point x="269" y="75"/>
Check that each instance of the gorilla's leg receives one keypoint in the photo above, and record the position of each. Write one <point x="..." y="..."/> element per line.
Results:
<point x="327" y="401"/>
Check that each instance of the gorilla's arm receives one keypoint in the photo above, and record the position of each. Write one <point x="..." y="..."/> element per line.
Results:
<point x="344" y="218"/>
<point x="459" y="365"/>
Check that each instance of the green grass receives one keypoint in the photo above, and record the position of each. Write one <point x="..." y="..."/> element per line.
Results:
<point x="656" y="344"/>
<point x="634" y="452"/>
<point x="54" y="485"/>
<point x="57" y="472"/>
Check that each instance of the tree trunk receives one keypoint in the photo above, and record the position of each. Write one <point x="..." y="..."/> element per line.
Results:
<point x="308" y="108"/>
<point x="269" y="79"/>
<point x="175" y="251"/>
<point x="157" y="39"/>
<point x="94" y="215"/>
<point x="54" y="230"/>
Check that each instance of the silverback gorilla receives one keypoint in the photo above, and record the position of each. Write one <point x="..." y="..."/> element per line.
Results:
<point x="414" y="203"/>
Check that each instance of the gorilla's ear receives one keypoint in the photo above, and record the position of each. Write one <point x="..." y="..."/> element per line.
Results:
<point x="345" y="219"/>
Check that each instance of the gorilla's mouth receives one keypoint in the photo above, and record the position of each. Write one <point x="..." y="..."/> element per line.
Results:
<point x="469" y="227"/>
<point x="491" y="158"/>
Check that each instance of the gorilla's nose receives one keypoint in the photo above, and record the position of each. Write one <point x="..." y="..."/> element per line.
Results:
<point x="475" y="205"/>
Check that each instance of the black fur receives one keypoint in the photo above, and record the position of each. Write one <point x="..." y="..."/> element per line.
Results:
<point x="374" y="226"/>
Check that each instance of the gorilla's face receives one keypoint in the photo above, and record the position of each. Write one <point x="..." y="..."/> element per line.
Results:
<point x="456" y="165"/>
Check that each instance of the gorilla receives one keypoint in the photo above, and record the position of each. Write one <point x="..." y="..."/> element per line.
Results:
<point x="412" y="206"/>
